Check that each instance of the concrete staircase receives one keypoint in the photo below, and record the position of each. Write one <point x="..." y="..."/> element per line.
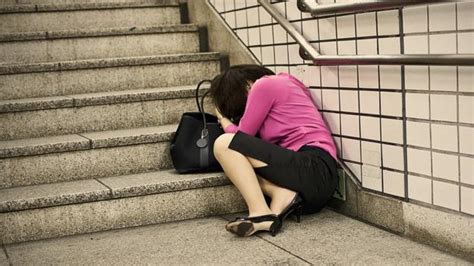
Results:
<point x="90" y="97"/>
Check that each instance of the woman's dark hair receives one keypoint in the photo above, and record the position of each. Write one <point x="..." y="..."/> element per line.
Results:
<point x="229" y="89"/>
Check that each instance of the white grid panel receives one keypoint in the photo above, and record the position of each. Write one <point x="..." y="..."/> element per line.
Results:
<point x="425" y="153"/>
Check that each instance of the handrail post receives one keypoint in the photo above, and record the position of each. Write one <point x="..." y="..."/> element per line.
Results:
<point x="304" y="6"/>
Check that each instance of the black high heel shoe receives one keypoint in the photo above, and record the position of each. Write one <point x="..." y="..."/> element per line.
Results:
<point x="295" y="207"/>
<point x="247" y="226"/>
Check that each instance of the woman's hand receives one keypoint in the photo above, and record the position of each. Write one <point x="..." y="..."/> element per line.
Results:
<point x="218" y="114"/>
<point x="224" y="121"/>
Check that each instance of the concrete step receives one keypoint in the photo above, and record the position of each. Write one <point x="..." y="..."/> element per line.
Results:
<point x="61" y="209"/>
<point x="92" y="44"/>
<point x="19" y="81"/>
<point x="70" y="16"/>
<point x="40" y="117"/>
<point x="44" y="2"/>
<point x="89" y="155"/>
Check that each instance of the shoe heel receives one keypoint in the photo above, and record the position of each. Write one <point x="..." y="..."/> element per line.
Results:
<point x="275" y="227"/>
<point x="298" y="213"/>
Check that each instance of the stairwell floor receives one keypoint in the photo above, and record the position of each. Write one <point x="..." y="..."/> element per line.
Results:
<point x="323" y="238"/>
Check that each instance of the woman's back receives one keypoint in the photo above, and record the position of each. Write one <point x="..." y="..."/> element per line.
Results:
<point x="280" y="108"/>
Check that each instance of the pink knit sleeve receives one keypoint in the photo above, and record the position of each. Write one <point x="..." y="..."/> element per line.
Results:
<point x="259" y="102"/>
<point x="232" y="128"/>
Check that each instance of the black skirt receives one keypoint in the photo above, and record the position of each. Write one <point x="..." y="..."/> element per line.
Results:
<point x="310" y="171"/>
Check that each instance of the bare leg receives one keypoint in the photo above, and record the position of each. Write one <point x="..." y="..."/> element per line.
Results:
<point x="240" y="171"/>
<point x="281" y="197"/>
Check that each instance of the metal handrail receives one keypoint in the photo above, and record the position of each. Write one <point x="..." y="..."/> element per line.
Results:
<point x="431" y="59"/>
<point x="310" y="6"/>
<point x="308" y="52"/>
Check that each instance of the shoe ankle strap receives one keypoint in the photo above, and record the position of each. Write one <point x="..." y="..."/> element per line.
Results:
<point x="261" y="218"/>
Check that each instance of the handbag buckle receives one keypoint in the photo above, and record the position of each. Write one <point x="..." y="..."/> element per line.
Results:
<point x="203" y="141"/>
<point x="204" y="133"/>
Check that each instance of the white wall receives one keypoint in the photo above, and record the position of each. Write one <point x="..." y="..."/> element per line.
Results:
<point x="427" y="154"/>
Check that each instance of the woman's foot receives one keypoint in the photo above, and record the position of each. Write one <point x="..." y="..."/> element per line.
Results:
<point x="247" y="226"/>
<point x="294" y="207"/>
<point x="281" y="200"/>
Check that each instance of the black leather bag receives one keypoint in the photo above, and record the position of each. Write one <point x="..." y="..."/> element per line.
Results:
<point x="193" y="143"/>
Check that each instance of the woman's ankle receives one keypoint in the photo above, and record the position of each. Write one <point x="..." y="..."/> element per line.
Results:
<point x="281" y="200"/>
<point x="255" y="213"/>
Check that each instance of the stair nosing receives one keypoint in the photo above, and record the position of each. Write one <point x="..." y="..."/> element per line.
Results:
<point x="36" y="8"/>
<point x="86" y="141"/>
<point x="129" y="192"/>
<point x="98" y="98"/>
<point x="97" y="33"/>
<point x="177" y="183"/>
<point x="71" y="65"/>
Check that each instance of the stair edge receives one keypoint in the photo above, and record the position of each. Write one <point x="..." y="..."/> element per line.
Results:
<point x="107" y="32"/>
<point x="85" y="141"/>
<point x="34" y="8"/>
<point x="167" y="181"/>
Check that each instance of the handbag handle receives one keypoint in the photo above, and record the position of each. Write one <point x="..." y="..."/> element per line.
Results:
<point x="200" y="106"/>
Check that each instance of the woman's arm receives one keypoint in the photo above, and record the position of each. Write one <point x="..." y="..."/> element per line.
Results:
<point x="259" y="102"/>
<point x="224" y="121"/>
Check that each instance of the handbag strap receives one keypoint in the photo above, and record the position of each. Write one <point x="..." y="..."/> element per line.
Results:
<point x="200" y="107"/>
<point x="203" y="142"/>
<point x="204" y="156"/>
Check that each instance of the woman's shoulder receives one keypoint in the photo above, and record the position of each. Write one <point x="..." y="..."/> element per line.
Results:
<point x="278" y="76"/>
<point x="276" y="81"/>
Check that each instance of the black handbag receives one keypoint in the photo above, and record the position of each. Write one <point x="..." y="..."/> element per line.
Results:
<point x="192" y="145"/>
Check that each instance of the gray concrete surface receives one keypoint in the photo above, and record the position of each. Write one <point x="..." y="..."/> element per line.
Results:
<point x="61" y="5"/>
<point x="381" y="210"/>
<point x="30" y="104"/>
<point x="103" y="115"/>
<point x="107" y="32"/>
<point x="77" y="165"/>
<point x="114" y="138"/>
<point x="90" y="190"/>
<point x="98" y="98"/>
<point x="81" y="16"/>
<point x="47" y="195"/>
<point x="42" y="2"/>
<point x="118" y="213"/>
<point x="89" y="76"/>
<point x="26" y="147"/>
<point x="34" y="67"/>
<point x="73" y="48"/>
<point x="3" y="257"/>
<point x="161" y="182"/>
<point x="448" y="231"/>
<point x="320" y="239"/>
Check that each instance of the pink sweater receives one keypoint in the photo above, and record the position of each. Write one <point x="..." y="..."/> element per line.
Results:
<point x="281" y="109"/>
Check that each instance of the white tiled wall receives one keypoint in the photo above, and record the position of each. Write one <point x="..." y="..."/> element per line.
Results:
<point x="403" y="131"/>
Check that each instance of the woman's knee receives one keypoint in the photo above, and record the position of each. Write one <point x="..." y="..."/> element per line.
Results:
<point x="221" y="144"/>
